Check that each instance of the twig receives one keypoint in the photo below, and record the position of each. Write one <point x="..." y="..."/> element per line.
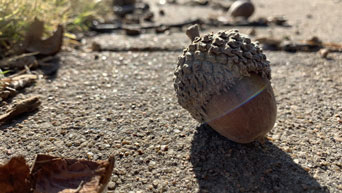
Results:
<point x="23" y="71"/>
<point x="312" y="45"/>
<point x="24" y="106"/>
<point x="12" y="84"/>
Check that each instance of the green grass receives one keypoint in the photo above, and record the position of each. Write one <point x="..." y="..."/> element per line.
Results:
<point x="16" y="15"/>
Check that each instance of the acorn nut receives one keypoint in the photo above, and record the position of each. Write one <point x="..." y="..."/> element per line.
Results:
<point x="227" y="85"/>
<point x="242" y="8"/>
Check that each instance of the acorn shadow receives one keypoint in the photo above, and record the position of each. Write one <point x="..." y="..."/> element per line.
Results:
<point x="221" y="165"/>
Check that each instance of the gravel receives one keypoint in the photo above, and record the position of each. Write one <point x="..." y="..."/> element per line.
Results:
<point x="123" y="103"/>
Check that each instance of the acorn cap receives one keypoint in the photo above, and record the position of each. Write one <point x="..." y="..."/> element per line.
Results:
<point x="212" y="64"/>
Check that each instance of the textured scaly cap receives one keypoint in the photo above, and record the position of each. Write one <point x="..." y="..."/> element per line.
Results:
<point x="212" y="64"/>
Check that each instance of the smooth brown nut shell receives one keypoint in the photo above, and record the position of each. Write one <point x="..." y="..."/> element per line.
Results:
<point x="246" y="112"/>
<point x="242" y="8"/>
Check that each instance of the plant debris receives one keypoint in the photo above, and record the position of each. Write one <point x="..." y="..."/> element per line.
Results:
<point x="215" y="4"/>
<point x="138" y="15"/>
<point x="139" y="49"/>
<point x="269" y="43"/>
<point x="132" y="31"/>
<point x="14" y="176"/>
<point x="24" y="106"/>
<point x="19" y="62"/>
<point x="106" y="28"/>
<point x="9" y="86"/>
<point x="160" y="28"/>
<point x="324" y="52"/>
<point x="132" y="12"/>
<point x="21" y="81"/>
<point x="121" y="7"/>
<point x="34" y="52"/>
<point x="33" y="41"/>
<point x="313" y="44"/>
<point x="54" y="174"/>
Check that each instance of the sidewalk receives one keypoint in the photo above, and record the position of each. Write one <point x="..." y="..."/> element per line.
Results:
<point x="123" y="103"/>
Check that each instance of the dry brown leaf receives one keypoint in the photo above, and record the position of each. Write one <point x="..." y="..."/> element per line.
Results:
<point x="33" y="39"/>
<point x="14" y="176"/>
<point x="60" y="175"/>
<point x="55" y="175"/>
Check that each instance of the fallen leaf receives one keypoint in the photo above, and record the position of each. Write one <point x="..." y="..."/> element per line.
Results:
<point x="33" y="39"/>
<point x="14" y="176"/>
<point x="61" y="175"/>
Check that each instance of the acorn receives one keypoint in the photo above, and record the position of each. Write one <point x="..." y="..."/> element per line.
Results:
<point x="242" y="8"/>
<point x="223" y="79"/>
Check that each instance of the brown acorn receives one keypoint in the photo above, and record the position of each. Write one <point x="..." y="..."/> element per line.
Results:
<point x="242" y="8"/>
<point x="223" y="79"/>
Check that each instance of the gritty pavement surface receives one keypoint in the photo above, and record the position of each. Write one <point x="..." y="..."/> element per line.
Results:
<point x="123" y="104"/>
